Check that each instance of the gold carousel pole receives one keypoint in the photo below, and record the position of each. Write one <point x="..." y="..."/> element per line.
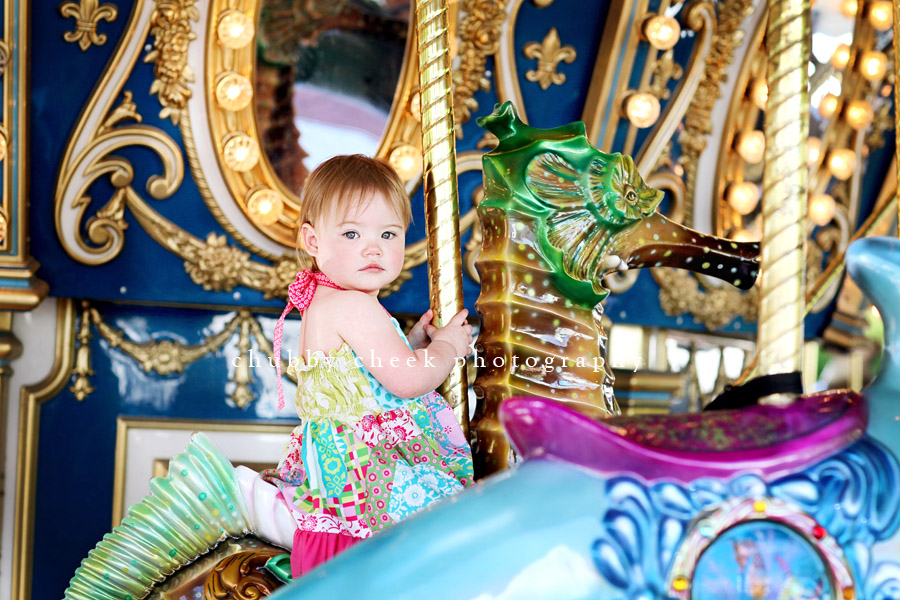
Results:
<point x="441" y="201"/>
<point x="780" y="334"/>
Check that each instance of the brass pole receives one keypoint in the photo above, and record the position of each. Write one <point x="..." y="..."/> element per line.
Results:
<point x="780" y="334"/>
<point x="441" y="200"/>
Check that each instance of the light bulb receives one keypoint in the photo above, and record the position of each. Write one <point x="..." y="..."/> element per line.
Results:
<point x="240" y="152"/>
<point x="841" y="163"/>
<point x="752" y="146"/>
<point x="265" y="206"/>
<point x="841" y="57"/>
<point x="880" y="15"/>
<point x="759" y="93"/>
<point x="821" y="209"/>
<point x="642" y="109"/>
<point x="235" y="29"/>
<point x="828" y="106"/>
<point x="743" y="197"/>
<point x="233" y="91"/>
<point x="859" y="114"/>
<point x="849" y="8"/>
<point x="406" y="160"/>
<point x="873" y="65"/>
<point x="813" y="150"/>
<point x="662" y="32"/>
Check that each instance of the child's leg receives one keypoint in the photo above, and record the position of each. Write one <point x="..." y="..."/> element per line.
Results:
<point x="312" y="548"/>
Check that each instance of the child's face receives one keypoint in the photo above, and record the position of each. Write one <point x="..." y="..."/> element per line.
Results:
<point x="361" y="250"/>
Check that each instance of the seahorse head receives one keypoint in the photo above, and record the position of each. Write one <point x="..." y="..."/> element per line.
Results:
<point x="595" y="213"/>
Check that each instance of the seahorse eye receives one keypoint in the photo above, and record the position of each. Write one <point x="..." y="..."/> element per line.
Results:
<point x="630" y="195"/>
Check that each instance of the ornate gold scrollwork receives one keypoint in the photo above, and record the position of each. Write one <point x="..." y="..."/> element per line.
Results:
<point x="698" y="120"/>
<point x="666" y="69"/>
<point x="170" y="24"/>
<point x="479" y="37"/>
<point x="87" y="15"/>
<point x="549" y="53"/>
<point x="166" y="356"/>
<point x="106" y="229"/>
<point x="681" y="293"/>
<point x="103" y="129"/>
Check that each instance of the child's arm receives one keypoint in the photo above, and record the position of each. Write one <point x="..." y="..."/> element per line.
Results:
<point x="367" y="328"/>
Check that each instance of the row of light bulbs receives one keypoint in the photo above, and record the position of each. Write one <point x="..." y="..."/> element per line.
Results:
<point x="661" y="32"/>
<point x="234" y="92"/>
<point x="880" y="13"/>
<point x="743" y="198"/>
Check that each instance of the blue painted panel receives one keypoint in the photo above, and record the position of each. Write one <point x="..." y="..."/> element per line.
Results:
<point x="580" y="25"/>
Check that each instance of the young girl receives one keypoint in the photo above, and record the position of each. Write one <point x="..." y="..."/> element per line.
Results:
<point x="376" y="442"/>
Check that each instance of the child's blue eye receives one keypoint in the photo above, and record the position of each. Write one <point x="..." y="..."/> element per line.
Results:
<point x="351" y="235"/>
<point x="387" y="235"/>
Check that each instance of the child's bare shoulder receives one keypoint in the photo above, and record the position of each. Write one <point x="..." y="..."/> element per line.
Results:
<point x="351" y="305"/>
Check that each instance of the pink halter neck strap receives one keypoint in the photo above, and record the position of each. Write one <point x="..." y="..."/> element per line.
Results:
<point x="300" y="294"/>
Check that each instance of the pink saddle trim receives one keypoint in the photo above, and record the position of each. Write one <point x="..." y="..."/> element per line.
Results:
<point x="300" y="294"/>
<point x="765" y="440"/>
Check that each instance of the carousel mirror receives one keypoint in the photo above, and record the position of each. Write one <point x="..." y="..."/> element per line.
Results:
<point x="294" y="82"/>
<point x="326" y="77"/>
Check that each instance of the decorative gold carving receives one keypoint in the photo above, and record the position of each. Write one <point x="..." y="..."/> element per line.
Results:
<point x="217" y="266"/>
<point x="242" y="576"/>
<point x="170" y="24"/>
<point x="698" y="121"/>
<point x="680" y="292"/>
<point x="543" y="3"/>
<point x="4" y="56"/>
<point x="165" y="356"/>
<point x="666" y="70"/>
<point x="81" y="386"/>
<point x="479" y="37"/>
<point x="87" y="15"/>
<point x="882" y="123"/>
<point x="126" y="111"/>
<point x="549" y="53"/>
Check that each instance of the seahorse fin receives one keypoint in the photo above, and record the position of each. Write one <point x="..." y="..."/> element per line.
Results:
<point x="552" y="179"/>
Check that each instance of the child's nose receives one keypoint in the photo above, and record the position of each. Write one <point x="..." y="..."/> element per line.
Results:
<point x="373" y="248"/>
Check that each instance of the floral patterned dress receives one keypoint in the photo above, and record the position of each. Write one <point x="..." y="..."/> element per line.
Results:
<point x="363" y="458"/>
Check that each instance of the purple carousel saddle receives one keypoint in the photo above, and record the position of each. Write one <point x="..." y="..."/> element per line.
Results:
<point x="765" y="440"/>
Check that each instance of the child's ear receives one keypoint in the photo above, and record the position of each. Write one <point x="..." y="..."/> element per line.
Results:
<point x="308" y="239"/>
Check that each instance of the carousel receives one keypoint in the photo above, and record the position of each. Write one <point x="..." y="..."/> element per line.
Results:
<point x="674" y="224"/>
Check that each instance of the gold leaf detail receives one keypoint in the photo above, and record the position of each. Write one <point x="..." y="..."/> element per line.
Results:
<point x="87" y="15"/>
<point x="479" y="37"/>
<point x="680" y="292"/>
<point x="666" y="69"/>
<point x="549" y="54"/>
<point x="170" y="24"/>
<point x="698" y="119"/>
<point x="218" y="266"/>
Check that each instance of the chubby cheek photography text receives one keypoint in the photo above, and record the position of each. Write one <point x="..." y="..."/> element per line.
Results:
<point x="314" y="359"/>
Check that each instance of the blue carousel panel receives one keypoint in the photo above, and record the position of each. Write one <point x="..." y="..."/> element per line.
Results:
<point x="762" y="560"/>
